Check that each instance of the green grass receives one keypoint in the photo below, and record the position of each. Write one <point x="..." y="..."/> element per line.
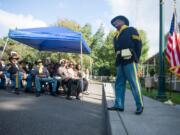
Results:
<point x="174" y="96"/>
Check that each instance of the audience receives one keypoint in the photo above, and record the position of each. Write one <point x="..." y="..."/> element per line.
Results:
<point x="81" y="76"/>
<point x="60" y="78"/>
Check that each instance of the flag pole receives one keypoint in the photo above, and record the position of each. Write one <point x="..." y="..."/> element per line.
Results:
<point x="161" y="88"/>
<point x="82" y="86"/>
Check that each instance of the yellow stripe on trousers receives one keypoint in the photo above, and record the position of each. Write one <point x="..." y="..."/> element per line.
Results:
<point x="137" y="82"/>
<point x="17" y="81"/>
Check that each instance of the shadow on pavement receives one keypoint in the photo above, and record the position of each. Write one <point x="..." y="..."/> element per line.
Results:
<point x="27" y="115"/>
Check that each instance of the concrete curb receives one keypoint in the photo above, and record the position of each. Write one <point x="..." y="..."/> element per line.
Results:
<point x="114" y="122"/>
<point x="157" y="118"/>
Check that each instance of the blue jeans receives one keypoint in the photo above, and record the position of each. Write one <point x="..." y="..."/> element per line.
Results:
<point x="38" y="81"/>
<point x="127" y="73"/>
<point x="29" y="82"/>
<point x="2" y="81"/>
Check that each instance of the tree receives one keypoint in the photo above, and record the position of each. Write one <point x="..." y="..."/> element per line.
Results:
<point x="97" y="40"/>
<point x="106" y="56"/>
<point x="97" y="43"/>
<point x="86" y="31"/>
<point x="26" y="52"/>
<point x="145" y="47"/>
<point x="69" y="24"/>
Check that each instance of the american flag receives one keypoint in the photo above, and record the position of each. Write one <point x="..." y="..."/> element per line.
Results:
<point x="173" y="47"/>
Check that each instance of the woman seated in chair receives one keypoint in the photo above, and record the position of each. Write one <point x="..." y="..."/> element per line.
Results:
<point x="81" y="76"/>
<point x="74" y="83"/>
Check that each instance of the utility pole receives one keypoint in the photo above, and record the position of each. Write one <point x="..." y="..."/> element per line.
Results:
<point x="161" y="90"/>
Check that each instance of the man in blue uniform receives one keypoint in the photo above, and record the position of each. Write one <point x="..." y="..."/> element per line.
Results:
<point x="127" y="45"/>
<point x="15" y="76"/>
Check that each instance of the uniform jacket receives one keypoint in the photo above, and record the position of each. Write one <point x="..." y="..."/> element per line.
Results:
<point x="36" y="71"/>
<point x="127" y="37"/>
<point x="12" y="68"/>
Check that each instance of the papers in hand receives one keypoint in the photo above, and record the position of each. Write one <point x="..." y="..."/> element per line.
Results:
<point x="126" y="54"/>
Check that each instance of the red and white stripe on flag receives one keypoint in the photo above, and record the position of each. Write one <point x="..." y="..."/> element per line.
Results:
<point x="173" y="48"/>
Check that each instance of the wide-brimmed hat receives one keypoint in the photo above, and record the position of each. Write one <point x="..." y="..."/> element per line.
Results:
<point x="120" y="17"/>
<point x="14" y="57"/>
<point x="62" y="61"/>
<point x="39" y="61"/>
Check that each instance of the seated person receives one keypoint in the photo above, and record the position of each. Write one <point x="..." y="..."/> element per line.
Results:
<point x="57" y="76"/>
<point x="22" y="72"/>
<point x="62" y="72"/>
<point x="26" y="77"/>
<point x="42" y="75"/>
<point x="74" y="83"/>
<point x="2" y="75"/>
<point x="81" y="75"/>
<point x="13" y="69"/>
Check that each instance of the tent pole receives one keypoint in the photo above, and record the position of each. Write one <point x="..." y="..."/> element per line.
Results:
<point x="81" y="68"/>
<point x="4" y="47"/>
<point x="90" y="67"/>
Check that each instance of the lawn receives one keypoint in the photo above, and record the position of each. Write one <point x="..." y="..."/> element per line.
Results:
<point x="174" y="96"/>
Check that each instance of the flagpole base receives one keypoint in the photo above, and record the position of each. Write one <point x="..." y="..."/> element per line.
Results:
<point x="161" y="97"/>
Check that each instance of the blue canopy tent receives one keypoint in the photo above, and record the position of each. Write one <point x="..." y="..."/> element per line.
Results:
<point x="55" y="39"/>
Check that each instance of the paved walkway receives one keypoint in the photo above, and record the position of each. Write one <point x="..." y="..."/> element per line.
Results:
<point x="157" y="119"/>
<point x="25" y="114"/>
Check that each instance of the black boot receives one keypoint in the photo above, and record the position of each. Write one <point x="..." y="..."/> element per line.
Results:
<point x="78" y="98"/>
<point x="139" y="111"/>
<point x="17" y="91"/>
<point x="54" y="94"/>
<point x="38" y="94"/>
<point x="115" y="109"/>
<point x="68" y="98"/>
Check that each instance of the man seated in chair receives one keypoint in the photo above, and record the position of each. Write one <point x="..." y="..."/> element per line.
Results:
<point x="42" y="76"/>
<point x="13" y="69"/>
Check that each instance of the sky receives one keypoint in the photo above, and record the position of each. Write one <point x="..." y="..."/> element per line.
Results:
<point x="142" y="14"/>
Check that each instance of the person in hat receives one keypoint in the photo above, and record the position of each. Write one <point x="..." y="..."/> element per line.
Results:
<point x="41" y="74"/>
<point x="127" y="45"/>
<point x="13" y="69"/>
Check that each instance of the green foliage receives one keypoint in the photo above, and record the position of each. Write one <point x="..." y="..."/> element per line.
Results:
<point x="106" y="56"/>
<point x="69" y="24"/>
<point x="26" y="52"/>
<point x="97" y="41"/>
<point x="86" y="31"/>
<point x="145" y="47"/>
<point x="96" y="46"/>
